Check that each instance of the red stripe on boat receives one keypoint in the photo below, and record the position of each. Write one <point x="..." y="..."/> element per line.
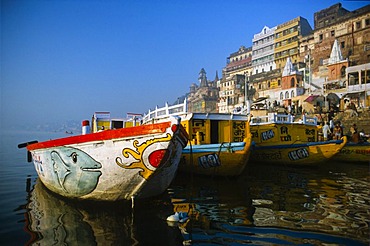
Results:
<point x="103" y="135"/>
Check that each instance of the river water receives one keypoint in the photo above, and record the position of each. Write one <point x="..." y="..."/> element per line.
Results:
<point x="324" y="205"/>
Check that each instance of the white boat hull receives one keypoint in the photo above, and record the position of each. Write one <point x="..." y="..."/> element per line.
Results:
<point x="111" y="169"/>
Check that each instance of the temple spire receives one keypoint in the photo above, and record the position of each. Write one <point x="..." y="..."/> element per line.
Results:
<point x="288" y="69"/>
<point x="202" y="78"/>
<point x="336" y="53"/>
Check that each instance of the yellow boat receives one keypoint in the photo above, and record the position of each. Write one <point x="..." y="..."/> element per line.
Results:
<point x="354" y="152"/>
<point x="219" y="144"/>
<point x="278" y="139"/>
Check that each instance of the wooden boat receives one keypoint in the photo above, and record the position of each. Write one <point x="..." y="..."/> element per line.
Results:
<point x="219" y="143"/>
<point x="103" y="120"/>
<point x="278" y="139"/>
<point x="354" y="152"/>
<point x="120" y="164"/>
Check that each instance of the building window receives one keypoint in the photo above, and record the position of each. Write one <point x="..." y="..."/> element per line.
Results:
<point x="281" y="96"/>
<point x="332" y="33"/>
<point x="353" y="78"/>
<point x="320" y="37"/>
<point x="358" y="25"/>
<point x="367" y="22"/>
<point x="343" y="72"/>
<point x="362" y="77"/>
<point x="342" y="44"/>
<point x="286" y="95"/>
<point x="292" y="82"/>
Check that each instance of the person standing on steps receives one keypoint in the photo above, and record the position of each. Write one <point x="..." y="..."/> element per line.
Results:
<point x="338" y="131"/>
<point x="326" y="131"/>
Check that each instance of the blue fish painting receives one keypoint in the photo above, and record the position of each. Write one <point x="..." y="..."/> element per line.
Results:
<point x="76" y="172"/>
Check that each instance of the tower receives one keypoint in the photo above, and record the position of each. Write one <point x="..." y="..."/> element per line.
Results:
<point x="202" y="78"/>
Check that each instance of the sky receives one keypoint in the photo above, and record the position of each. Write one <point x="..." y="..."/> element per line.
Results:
<point x="64" y="60"/>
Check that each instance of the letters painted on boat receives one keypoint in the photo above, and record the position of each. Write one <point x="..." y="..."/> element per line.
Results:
<point x="112" y="165"/>
<point x="355" y="153"/>
<point x="285" y="142"/>
<point x="219" y="143"/>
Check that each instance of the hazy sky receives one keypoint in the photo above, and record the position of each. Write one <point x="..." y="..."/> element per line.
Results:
<point x="64" y="60"/>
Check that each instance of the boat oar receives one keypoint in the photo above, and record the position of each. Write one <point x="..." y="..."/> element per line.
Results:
<point x="22" y="145"/>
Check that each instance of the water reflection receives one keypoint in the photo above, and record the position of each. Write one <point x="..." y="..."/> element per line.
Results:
<point x="266" y="205"/>
<point x="280" y="205"/>
<point x="53" y="220"/>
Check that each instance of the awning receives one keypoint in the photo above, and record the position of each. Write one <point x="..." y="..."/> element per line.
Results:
<point x="260" y="99"/>
<point x="354" y="93"/>
<point x="311" y="98"/>
<point x="258" y="104"/>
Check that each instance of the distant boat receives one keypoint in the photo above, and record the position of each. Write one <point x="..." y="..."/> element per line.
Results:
<point x="110" y="165"/>
<point x="69" y="132"/>
<point x="220" y="144"/>
<point x="277" y="139"/>
<point x="355" y="153"/>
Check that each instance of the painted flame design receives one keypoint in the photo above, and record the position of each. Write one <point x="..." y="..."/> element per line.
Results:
<point x="147" y="162"/>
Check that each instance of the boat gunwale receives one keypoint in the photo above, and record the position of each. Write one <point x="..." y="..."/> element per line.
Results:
<point x="219" y="147"/>
<point x="111" y="134"/>
<point x="300" y="145"/>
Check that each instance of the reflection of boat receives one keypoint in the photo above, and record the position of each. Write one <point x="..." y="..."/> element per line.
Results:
<point x="51" y="220"/>
<point x="209" y="201"/>
<point x="354" y="152"/>
<point x="280" y="206"/>
<point x="277" y="139"/>
<point x="111" y="165"/>
<point x="220" y="143"/>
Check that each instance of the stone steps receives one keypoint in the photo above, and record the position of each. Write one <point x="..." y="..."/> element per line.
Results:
<point x="347" y="119"/>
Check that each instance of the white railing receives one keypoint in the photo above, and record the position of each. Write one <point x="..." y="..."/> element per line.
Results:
<point x="165" y="111"/>
<point x="179" y="109"/>
<point x="283" y="118"/>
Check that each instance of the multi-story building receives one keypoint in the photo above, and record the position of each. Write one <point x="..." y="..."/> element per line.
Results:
<point x="265" y="85"/>
<point x="352" y="83"/>
<point x="287" y="40"/>
<point x="351" y="29"/>
<point x="263" y="50"/>
<point x="239" y="62"/>
<point x="313" y="54"/>
<point x="232" y="84"/>
<point x="231" y="93"/>
<point x="272" y="48"/>
<point x="203" y="98"/>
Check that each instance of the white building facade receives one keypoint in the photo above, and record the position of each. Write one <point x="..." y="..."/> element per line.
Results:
<point x="263" y="50"/>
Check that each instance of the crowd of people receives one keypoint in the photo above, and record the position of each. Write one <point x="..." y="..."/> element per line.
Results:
<point x="331" y="131"/>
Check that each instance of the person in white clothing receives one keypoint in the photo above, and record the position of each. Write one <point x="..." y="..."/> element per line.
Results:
<point x="331" y="124"/>
<point x="326" y="131"/>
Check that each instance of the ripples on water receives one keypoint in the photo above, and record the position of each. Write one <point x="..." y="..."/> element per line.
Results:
<point x="267" y="205"/>
<point x="281" y="206"/>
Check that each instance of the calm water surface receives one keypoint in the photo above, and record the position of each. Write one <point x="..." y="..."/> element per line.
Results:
<point x="326" y="205"/>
